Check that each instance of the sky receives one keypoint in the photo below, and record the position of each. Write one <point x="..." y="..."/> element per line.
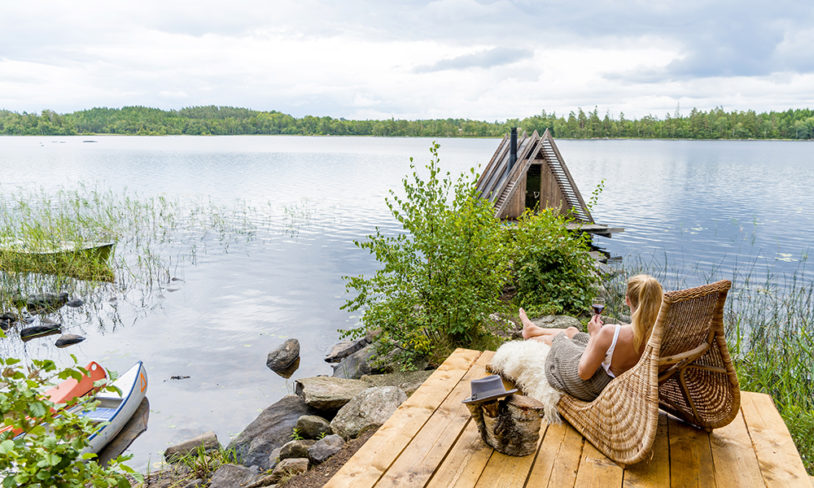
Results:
<point x="358" y="59"/>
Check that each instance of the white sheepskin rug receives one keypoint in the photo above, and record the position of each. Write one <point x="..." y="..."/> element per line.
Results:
<point x="524" y="363"/>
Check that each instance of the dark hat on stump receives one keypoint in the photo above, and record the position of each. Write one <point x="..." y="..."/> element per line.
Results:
<point x="488" y="388"/>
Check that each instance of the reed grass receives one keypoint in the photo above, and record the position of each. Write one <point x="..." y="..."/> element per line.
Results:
<point x="155" y="237"/>
<point x="769" y="326"/>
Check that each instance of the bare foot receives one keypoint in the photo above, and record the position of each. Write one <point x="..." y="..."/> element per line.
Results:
<point x="529" y="329"/>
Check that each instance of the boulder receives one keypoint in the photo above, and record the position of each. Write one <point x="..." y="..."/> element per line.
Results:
<point x="7" y="319"/>
<point x="274" y="458"/>
<point x="46" y="302"/>
<point x="356" y="365"/>
<point x="343" y="349"/>
<point x="409" y="381"/>
<point x="313" y="426"/>
<point x="232" y="475"/>
<point x="29" y="333"/>
<point x="327" y="393"/>
<point x="282" y="358"/>
<point x="325" y="448"/>
<point x="208" y="441"/>
<point x="271" y="429"/>
<point x="296" y="449"/>
<point x="76" y="302"/>
<point x="66" y="340"/>
<point x="287" y="468"/>
<point x="370" y="408"/>
<point x="557" y="322"/>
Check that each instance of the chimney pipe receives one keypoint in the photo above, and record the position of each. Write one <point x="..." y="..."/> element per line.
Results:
<point x="513" y="148"/>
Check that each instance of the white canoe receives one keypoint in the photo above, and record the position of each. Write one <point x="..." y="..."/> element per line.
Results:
<point x="117" y="409"/>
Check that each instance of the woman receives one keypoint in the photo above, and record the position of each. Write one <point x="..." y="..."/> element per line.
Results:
<point x="583" y="364"/>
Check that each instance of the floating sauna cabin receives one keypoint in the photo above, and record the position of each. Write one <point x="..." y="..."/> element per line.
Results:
<point x="529" y="172"/>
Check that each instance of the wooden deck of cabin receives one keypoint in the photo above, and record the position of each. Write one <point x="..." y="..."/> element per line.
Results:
<point x="430" y="441"/>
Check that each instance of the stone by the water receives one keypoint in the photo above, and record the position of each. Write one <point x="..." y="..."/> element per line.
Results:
<point x="370" y="408"/>
<point x="274" y="457"/>
<point x="408" y="381"/>
<point x="325" y="448"/>
<point x="7" y="319"/>
<point x="296" y="448"/>
<point x="270" y="430"/>
<point x="284" y="356"/>
<point x="29" y="333"/>
<point x="356" y="365"/>
<point x="313" y="426"/>
<point x="232" y="475"/>
<point x="289" y="371"/>
<point x="76" y="302"/>
<point x="345" y="348"/>
<point x="288" y="467"/>
<point x="66" y="340"/>
<point x="327" y="393"/>
<point x="45" y="302"/>
<point x="208" y="441"/>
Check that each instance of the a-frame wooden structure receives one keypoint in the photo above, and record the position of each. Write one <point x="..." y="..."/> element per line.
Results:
<point x="539" y="177"/>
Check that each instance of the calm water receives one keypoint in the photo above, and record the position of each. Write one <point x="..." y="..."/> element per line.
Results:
<point x="703" y="208"/>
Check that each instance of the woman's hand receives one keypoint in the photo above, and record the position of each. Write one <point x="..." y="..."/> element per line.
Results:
<point x="595" y="325"/>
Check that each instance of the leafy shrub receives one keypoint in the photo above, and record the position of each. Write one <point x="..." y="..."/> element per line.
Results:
<point x="441" y="277"/>
<point x="50" y="452"/>
<point x="553" y="271"/>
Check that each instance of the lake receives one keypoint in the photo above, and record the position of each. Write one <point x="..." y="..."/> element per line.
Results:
<point x="697" y="209"/>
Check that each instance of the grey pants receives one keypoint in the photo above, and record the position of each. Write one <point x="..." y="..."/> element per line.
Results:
<point x="562" y="366"/>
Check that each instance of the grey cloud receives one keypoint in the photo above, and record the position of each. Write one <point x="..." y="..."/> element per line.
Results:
<point x="484" y="59"/>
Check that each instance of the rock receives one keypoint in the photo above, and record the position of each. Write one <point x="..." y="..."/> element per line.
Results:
<point x="602" y="268"/>
<point x="39" y="331"/>
<point x="313" y="426"/>
<point x="356" y="365"/>
<point x="512" y="426"/>
<point x="7" y="319"/>
<point x="274" y="457"/>
<point x="503" y="326"/>
<point x="370" y="408"/>
<point x="327" y="393"/>
<point x="46" y="302"/>
<point x="325" y="448"/>
<point x="208" y="441"/>
<point x="284" y="356"/>
<point x="557" y="322"/>
<point x="598" y="256"/>
<point x="231" y="476"/>
<point x="408" y="381"/>
<point x="296" y="448"/>
<point x="343" y="349"/>
<point x="66" y="340"/>
<point x="76" y="302"/>
<point x="286" y="373"/>
<point x="287" y="468"/>
<point x="271" y="429"/>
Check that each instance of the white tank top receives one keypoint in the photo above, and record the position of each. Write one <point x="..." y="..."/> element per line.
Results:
<point x="609" y="355"/>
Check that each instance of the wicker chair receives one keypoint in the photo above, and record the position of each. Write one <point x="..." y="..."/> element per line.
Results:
<point x="685" y="370"/>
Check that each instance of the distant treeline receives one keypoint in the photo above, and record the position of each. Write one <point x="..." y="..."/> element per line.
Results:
<point x="211" y="120"/>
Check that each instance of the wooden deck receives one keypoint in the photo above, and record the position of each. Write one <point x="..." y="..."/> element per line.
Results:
<point x="430" y="441"/>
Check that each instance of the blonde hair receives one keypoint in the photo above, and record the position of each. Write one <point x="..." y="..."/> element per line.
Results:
<point x="644" y="293"/>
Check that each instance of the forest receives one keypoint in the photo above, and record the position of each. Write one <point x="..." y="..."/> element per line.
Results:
<point x="215" y="120"/>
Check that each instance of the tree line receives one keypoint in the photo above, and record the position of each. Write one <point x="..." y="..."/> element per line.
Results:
<point x="214" y="120"/>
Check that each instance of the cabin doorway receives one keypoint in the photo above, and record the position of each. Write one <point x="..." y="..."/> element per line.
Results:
<point x="533" y="187"/>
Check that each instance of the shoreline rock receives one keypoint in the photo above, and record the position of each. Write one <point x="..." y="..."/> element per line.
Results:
<point x="370" y="408"/>
<point x="327" y="393"/>
<point x="282" y="358"/>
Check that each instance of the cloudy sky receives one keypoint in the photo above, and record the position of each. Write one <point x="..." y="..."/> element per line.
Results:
<point x="481" y="59"/>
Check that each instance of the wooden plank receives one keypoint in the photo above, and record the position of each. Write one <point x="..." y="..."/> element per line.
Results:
<point x="424" y="453"/>
<point x="508" y="471"/>
<point x="734" y="457"/>
<point x="465" y="461"/>
<point x="779" y="461"/>
<point x="595" y="469"/>
<point x="690" y="456"/>
<point x="558" y="458"/>
<point x="654" y="471"/>
<point x="375" y="456"/>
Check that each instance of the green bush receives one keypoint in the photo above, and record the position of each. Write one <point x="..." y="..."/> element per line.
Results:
<point x="50" y="452"/>
<point x="441" y="277"/>
<point x="553" y="271"/>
